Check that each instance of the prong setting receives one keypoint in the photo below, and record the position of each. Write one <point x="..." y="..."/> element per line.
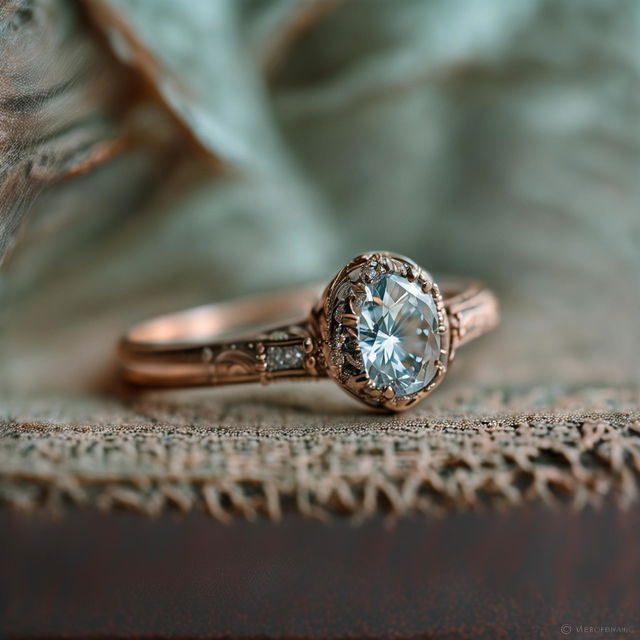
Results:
<point x="338" y="317"/>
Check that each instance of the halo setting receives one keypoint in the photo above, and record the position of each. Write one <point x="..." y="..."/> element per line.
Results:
<point x="385" y="331"/>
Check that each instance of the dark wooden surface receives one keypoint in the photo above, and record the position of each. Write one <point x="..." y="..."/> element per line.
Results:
<point x="522" y="574"/>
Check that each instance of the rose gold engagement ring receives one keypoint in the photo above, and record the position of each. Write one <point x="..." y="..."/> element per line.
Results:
<point x="382" y="329"/>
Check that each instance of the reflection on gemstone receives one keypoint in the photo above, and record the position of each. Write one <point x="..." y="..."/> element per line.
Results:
<point x="398" y="334"/>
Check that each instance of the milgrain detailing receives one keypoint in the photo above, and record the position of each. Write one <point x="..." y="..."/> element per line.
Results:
<point x="382" y="329"/>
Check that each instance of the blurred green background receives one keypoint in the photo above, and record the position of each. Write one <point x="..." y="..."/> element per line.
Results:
<point x="279" y="138"/>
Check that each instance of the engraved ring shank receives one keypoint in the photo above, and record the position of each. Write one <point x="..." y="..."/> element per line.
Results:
<point x="264" y="338"/>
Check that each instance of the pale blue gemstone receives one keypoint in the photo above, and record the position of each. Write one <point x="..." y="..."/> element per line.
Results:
<point x="398" y="334"/>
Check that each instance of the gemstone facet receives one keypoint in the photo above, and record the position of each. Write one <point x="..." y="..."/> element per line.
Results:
<point x="398" y="334"/>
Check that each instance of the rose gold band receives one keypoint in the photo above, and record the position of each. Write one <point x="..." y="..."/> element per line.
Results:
<point x="280" y="340"/>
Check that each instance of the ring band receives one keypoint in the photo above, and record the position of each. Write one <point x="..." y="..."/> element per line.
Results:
<point x="382" y="329"/>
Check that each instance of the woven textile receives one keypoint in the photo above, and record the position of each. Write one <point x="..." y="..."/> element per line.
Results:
<point x="157" y="155"/>
<point x="280" y="451"/>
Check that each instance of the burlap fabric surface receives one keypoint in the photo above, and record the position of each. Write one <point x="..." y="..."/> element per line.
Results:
<point x="157" y="155"/>
<point x="265" y="453"/>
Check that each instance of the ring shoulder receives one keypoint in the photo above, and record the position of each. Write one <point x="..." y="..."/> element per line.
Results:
<point x="471" y="314"/>
<point x="284" y="352"/>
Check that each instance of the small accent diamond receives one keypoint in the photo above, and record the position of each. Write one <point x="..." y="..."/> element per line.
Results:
<point x="372" y="271"/>
<point x="285" y="357"/>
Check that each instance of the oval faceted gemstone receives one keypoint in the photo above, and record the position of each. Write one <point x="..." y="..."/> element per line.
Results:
<point x="398" y="334"/>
